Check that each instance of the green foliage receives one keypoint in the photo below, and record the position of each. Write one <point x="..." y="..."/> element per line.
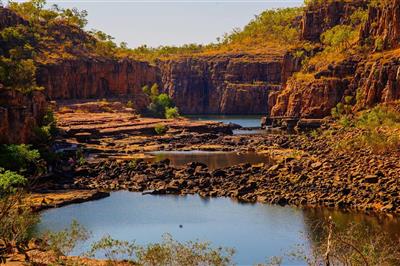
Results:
<point x="46" y="133"/>
<point x="160" y="103"/>
<point x="377" y="117"/>
<point x="339" y="37"/>
<point x="168" y="252"/>
<point x="35" y="12"/>
<point x="376" y="131"/>
<point x="171" y="112"/>
<point x="276" y="25"/>
<point x="160" y="129"/>
<point x="129" y="104"/>
<point x="63" y="242"/>
<point x="379" y="44"/>
<point x="18" y="157"/>
<point x="146" y="90"/>
<point x="359" y="17"/>
<point x="9" y="182"/>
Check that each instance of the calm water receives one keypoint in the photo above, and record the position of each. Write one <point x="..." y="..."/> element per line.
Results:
<point x="213" y="160"/>
<point x="256" y="231"/>
<point x="242" y="120"/>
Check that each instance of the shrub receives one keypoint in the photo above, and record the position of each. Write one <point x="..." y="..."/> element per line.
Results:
<point x="171" y="112"/>
<point x="339" y="37"/>
<point x="160" y="129"/>
<point x="168" y="252"/>
<point x="129" y="104"/>
<point x="64" y="242"/>
<point x="379" y="44"/>
<point x="18" y="157"/>
<point x="9" y="182"/>
<point x="159" y="102"/>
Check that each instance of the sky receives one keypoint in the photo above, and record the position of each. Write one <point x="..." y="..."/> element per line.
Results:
<point x="170" y="22"/>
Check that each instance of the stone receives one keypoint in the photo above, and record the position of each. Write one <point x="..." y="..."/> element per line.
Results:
<point x="371" y="179"/>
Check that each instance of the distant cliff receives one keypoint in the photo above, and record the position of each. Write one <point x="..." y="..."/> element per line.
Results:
<point x="225" y="83"/>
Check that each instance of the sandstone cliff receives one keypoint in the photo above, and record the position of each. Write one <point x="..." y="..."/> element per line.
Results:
<point x="369" y="79"/>
<point x="318" y="18"/>
<point x="97" y="78"/>
<point x="224" y="84"/>
<point x="384" y="22"/>
<point x="19" y="114"/>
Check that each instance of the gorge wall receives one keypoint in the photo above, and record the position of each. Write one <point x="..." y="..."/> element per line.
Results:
<point x="97" y="78"/>
<point x="226" y="83"/>
<point x="20" y="114"/>
<point x="370" y="78"/>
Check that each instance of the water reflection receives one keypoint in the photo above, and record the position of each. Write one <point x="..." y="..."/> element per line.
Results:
<point x="251" y="121"/>
<point x="213" y="160"/>
<point x="256" y="231"/>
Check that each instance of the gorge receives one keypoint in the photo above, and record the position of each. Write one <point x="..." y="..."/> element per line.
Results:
<point x="82" y="119"/>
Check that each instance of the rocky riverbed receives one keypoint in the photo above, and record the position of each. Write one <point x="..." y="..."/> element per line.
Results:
<point x="307" y="170"/>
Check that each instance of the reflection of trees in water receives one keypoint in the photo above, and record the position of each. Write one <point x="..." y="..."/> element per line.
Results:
<point x="355" y="238"/>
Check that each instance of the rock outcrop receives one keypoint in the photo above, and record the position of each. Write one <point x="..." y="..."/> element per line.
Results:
<point x="384" y="22"/>
<point x="378" y="81"/>
<point x="19" y="115"/>
<point x="223" y="84"/>
<point x="97" y="78"/>
<point x="318" y="18"/>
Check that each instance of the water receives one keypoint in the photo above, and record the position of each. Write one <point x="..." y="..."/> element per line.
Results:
<point x="213" y="160"/>
<point x="256" y="231"/>
<point x="249" y="121"/>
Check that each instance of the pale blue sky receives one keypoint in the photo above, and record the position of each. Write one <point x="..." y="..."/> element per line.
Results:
<point x="166" y="22"/>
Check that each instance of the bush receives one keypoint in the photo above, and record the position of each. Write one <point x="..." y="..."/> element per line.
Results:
<point x="339" y="37"/>
<point x="171" y="112"/>
<point x="9" y="182"/>
<point x="160" y="129"/>
<point x="160" y="103"/>
<point x="168" y="252"/>
<point x="64" y="242"/>
<point x="18" y="158"/>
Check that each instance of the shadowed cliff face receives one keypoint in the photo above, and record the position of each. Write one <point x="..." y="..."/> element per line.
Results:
<point x="97" y="78"/>
<point x="224" y="84"/>
<point x="19" y="115"/>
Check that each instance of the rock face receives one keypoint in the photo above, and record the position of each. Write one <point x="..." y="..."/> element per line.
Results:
<point x="313" y="99"/>
<point x="378" y="82"/>
<point x="90" y="78"/>
<point x="223" y="84"/>
<point x="384" y="22"/>
<point x="19" y="114"/>
<point x="319" y="18"/>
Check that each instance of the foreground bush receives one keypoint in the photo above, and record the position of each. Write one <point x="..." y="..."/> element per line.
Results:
<point x="168" y="252"/>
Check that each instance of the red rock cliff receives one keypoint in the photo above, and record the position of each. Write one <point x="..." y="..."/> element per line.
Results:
<point x="318" y="18"/>
<point x="19" y="114"/>
<point x="97" y="78"/>
<point x="224" y="84"/>
<point x="384" y="22"/>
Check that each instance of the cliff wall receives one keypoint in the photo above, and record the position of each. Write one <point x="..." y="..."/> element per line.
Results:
<point x="97" y="78"/>
<point x="225" y="84"/>
<point x="318" y="18"/>
<point x="19" y="115"/>
<point x="384" y="22"/>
